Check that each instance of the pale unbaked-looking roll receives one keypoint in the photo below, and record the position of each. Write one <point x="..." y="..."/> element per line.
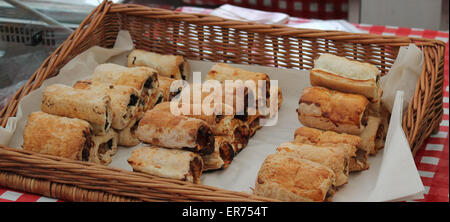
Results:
<point x="168" y="163"/>
<point x="172" y="66"/>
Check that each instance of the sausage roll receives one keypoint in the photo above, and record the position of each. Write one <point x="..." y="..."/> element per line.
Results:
<point x="337" y="160"/>
<point x="369" y="135"/>
<point x="346" y="75"/>
<point x="349" y="143"/>
<point x="253" y="124"/>
<point x="127" y="135"/>
<point x="172" y="66"/>
<point x="93" y="106"/>
<point x="143" y="79"/>
<point x="239" y="134"/>
<point x="236" y="96"/>
<point x="331" y="110"/>
<point x="223" y="72"/>
<point x="288" y="178"/>
<point x="168" y="163"/>
<point x="167" y="130"/>
<point x="164" y="84"/>
<point x="105" y="146"/>
<point x="221" y="157"/>
<point x="124" y="101"/>
<point x="69" y="138"/>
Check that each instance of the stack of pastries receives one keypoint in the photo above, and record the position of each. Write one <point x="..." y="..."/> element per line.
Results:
<point x="344" y="122"/>
<point x="89" y="120"/>
<point x="198" y="141"/>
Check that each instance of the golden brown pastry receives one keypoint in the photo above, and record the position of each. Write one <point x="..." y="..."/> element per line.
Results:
<point x="127" y="135"/>
<point x="165" y="84"/>
<point x="335" y="159"/>
<point x="167" y="130"/>
<point x="172" y="66"/>
<point x="168" y="163"/>
<point x="287" y="178"/>
<point x="253" y="123"/>
<point x="349" y="143"/>
<point x="383" y="128"/>
<point x="221" y="157"/>
<point x="331" y="110"/>
<point x="67" y="137"/>
<point x="143" y="79"/>
<point x="105" y="146"/>
<point x="223" y="72"/>
<point x="93" y="106"/>
<point x="124" y="101"/>
<point x="346" y="75"/>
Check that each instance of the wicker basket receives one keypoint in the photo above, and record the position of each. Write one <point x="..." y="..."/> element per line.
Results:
<point x="209" y="38"/>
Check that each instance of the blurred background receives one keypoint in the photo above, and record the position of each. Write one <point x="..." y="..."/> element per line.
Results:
<point x="31" y="29"/>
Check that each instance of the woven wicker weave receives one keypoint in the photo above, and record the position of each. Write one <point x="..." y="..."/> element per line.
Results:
<point x="208" y="38"/>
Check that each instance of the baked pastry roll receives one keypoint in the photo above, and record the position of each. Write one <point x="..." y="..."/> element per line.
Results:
<point x="221" y="157"/>
<point x="172" y="66"/>
<point x="288" y="178"/>
<point x="369" y="135"/>
<point x="68" y="137"/>
<point x="332" y="110"/>
<point x="93" y="106"/>
<point x="164" y="85"/>
<point x="346" y="75"/>
<point x="167" y="130"/>
<point x="124" y="101"/>
<point x="349" y="143"/>
<point x="143" y="79"/>
<point x="236" y="96"/>
<point x="105" y="146"/>
<point x="239" y="134"/>
<point x="127" y="135"/>
<point x="168" y="163"/>
<point x="253" y="124"/>
<point x="337" y="160"/>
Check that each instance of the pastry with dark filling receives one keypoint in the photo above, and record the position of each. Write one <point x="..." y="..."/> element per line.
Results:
<point x="168" y="163"/>
<point x="288" y="178"/>
<point x="168" y="130"/>
<point x="346" y="142"/>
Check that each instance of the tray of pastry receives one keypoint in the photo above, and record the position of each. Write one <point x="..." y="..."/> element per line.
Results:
<point x="111" y="120"/>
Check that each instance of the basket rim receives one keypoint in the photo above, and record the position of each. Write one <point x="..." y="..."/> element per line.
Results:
<point x="133" y="9"/>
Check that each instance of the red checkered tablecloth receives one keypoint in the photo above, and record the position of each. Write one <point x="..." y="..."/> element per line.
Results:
<point x="432" y="160"/>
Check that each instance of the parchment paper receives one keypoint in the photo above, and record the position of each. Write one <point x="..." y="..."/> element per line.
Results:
<point x="392" y="175"/>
